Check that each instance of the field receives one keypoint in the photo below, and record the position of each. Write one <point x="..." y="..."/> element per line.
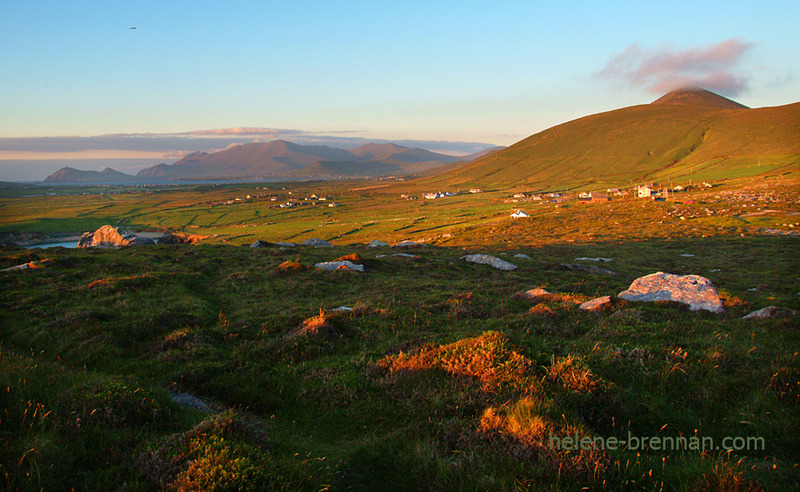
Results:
<point x="442" y="375"/>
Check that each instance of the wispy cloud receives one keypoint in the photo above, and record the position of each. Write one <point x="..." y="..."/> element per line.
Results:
<point x="664" y="69"/>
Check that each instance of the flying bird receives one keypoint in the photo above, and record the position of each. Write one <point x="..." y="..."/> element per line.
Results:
<point x="133" y="28"/>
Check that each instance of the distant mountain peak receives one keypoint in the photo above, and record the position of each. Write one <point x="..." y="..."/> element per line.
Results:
<point x="72" y="175"/>
<point x="696" y="96"/>
<point x="283" y="158"/>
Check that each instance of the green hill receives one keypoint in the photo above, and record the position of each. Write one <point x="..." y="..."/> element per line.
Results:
<point x="688" y="134"/>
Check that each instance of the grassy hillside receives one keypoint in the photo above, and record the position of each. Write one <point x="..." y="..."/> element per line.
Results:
<point x="653" y="142"/>
<point x="442" y="376"/>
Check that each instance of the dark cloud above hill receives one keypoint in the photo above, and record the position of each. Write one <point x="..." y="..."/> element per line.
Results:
<point x="662" y="70"/>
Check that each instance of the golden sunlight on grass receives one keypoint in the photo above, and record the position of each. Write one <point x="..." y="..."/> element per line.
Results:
<point x="489" y="358"/>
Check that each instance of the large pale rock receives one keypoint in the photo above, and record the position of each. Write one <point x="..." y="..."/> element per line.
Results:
<point x="375" y="243"/>
<point x="696" y="291"/>
<point x="108" y="236"/>
<point x="490" y="260"/>
<point x="771" y="312"/>
<point x="336" y="265"/>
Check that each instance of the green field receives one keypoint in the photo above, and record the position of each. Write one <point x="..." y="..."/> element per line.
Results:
<point x="443" y="376"/>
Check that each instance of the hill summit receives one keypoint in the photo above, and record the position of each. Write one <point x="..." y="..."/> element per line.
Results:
<point x="696" y="96"/>
<point x="688" y="134"/>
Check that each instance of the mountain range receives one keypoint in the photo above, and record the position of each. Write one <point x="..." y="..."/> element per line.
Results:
<point x="278" y="159"/>
<point x="686" y="134"/>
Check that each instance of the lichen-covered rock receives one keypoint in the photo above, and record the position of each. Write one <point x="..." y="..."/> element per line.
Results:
<point x="376" y="244"/>
<point x="490" y="260"/>
<point x="696" y="291"/>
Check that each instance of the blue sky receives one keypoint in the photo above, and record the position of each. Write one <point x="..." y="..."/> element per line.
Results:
<point x="456" y="71"/>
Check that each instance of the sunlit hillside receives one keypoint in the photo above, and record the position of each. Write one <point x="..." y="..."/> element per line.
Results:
<point x="702" y="137"/>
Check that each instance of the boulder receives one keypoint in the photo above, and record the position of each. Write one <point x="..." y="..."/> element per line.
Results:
<point x="537" y="293"/>
<point x="190" y="401"/>
<point x="26" y="266"/>
<point x="354" y="257"/>
<point x="586" y="258"/>
<point x="596" y="304"/>
<point x="577" y="267"/>
<point x="402" y="255"/>
<point x="336" y="265"/>
<point x="260" y="243"/>
<point x="180" y="238"/>
<point x="376" y="244"/>
<point x="522" y="256"/>
<point x="490" y="260"/>
<point x="406" y="244"/>
<point x="113" y="237"/>
<point x="317" y="243"/>
<point x="696" y="291"/>
<point x="777" y="312"/>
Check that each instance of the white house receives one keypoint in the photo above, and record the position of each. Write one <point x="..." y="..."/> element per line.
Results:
<point x="519" y="214"/>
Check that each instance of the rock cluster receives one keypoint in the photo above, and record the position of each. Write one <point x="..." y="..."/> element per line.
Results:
<point x="112" y="237"/>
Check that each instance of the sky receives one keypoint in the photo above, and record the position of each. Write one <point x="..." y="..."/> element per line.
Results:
<point x="79" y="87"/>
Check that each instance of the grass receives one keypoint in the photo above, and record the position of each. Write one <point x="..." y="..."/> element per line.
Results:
<point x="442" y="376"/>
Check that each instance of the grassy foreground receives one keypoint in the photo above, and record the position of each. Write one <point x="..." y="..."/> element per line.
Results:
<point x="443" y="376"/>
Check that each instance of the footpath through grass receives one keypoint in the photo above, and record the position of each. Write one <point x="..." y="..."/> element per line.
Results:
<point x="442" y="376"/>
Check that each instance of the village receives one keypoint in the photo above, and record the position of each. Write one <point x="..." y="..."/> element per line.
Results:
<point x="298" y="198"/>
